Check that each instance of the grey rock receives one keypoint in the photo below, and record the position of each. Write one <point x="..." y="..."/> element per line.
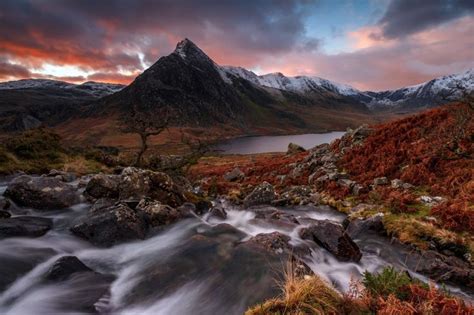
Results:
<point x="261" y="195"/>
<point x="294" y="148"/>
<point x="111" y="226"/>
<point x="380" y="181"/>
<point x="45" y="193"/>
<point x="103" y="186"/>
<point x="333" y="238"/>
<point x="65" y="267"/>
<point x="234" y="175"/>
<point x="27" y="226"/>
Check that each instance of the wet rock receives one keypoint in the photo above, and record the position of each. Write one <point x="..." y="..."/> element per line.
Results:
<point x="275" y="242"/>
<point x="202" y="206"/>
<point x="64" y="267"/>
<point x="4" y="204"/>
<point x="234" y="175"/>
<point x="28" y="226"/>
<point x="380" y="181"/>
<point x="261" y="195"/>
<point x="61" y="175"/>
<point x="158" y="214"/>
<point x="447" y="269"/>
<point x="187" y="207"/>
<point x="44" y="193"/>
<point x="137" y="183"/>
<point x="373" y="224"/>
<point x="294" y="148"/>
<point x="102" y="186"/>
<point x="102" y="203"/>
<point x="333" y="238"/>
<point x="110" y="226"/>
<point x="218" y="212"/>
<point x="4" y="214"/>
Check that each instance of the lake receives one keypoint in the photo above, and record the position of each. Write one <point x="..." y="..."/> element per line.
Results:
<point x="262" y="144"/>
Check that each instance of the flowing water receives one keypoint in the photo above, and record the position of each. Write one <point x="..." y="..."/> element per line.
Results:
<point x="262" y="144"/>
<point x="197" y="266"/>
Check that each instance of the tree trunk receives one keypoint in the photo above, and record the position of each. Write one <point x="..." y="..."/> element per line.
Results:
<point x="143" y="148"/>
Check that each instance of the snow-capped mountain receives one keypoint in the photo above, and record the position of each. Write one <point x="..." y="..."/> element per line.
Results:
<point x="96" y="89"/>
<point x="431" y="93"/>
<point x="299" y="84"/>
<point x="441" y="89"/>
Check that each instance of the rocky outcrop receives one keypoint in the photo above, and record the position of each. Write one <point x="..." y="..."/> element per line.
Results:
<point x="275" y="242"/>
<point x="294" y="148"/>
<point x="136" y="184"/>
<point x="373" y="224"/>
<point x="441" y="268"/>
<point x="218" y="212"/>
<point x="158" y="214"/>
<point x="61" y="175"/>
<point x="263" y="194"/>
<point x="65" y="267"/>
<point x="234" y="175"/>
<point x="24" y="226"/>
<point x="333" y="238"/>
<point x="102" y="186"/>
<point x="44" y="193"/>
<point x="111" y="226"/>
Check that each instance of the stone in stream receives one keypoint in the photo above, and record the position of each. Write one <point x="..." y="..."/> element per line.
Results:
<point x="333" y="238"/>
<point x="4" y="204"/>
<point x="218" y="212"/>
<point x="64" y="267"/>
<point x="45" y="193"/>
<point x="28" y="226"/>
<point x="137" y="184"/>
<point x="4" y="214"/>
<point x="373" y="224"/>
<point x="263" y="194"/>
<point x="111" y="226"/>
<point x="158" y="214"/>
<point x="102" y="186"/>
<point x="61" y="175"/>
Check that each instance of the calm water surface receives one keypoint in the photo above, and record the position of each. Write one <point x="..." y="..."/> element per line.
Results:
<point x="261" y="144"/>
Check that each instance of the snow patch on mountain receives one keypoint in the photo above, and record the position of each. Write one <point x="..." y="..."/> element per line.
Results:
<point x="299" y="84"/>
<point x="96" y="89"/>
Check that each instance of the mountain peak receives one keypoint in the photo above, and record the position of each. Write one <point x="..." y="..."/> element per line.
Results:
<point x="187" y="48"/>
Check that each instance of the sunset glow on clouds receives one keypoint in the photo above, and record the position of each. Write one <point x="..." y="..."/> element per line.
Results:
<point x="369" y="44"/>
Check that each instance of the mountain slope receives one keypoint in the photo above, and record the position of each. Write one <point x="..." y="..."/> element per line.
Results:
<point x="428" y="94"/>
<point x="200" y="93"/>
<point x="26" y="104"/>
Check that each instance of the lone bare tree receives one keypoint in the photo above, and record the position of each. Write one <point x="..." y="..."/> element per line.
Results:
<point x="144" y="123"/>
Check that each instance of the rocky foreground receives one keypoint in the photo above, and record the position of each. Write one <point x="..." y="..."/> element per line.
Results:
<point x="386" y="188"/>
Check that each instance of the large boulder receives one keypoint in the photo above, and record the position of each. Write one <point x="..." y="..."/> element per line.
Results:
<point x="373" y="224"/>
<point x="103" y="186"/>
<point x="45" y="193"/>
<point x="263" y="194"/>
<point x="294" y="148"/>
<point x="158" y="214"/>
<point x="333" y="238"/>
<point x="110" y="226"/>
<point x="28" y="226"/>
<point x="275" y="242"/>
<point x="61" y="175"/>
<point x="137" y="184"/>
<point x="441" y="268"/>
<point x="65" y="267"/>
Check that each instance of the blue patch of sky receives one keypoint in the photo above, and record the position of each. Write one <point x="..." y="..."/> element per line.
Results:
<point x="330" y="21"/>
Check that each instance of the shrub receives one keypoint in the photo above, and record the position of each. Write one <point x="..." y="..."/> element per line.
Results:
<point x="35" y="144"/>
<point x="388" y="282"/>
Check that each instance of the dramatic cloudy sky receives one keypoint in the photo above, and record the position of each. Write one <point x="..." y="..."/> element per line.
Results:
<point x="370" y="44"/>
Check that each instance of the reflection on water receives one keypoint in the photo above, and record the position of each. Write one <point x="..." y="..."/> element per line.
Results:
<point x="261" y="144"/>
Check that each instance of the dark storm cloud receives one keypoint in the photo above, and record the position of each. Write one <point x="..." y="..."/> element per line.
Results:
<point x="405" y="17"/>
<point x="8" y="70"/>
<point x="108" y="35"/>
